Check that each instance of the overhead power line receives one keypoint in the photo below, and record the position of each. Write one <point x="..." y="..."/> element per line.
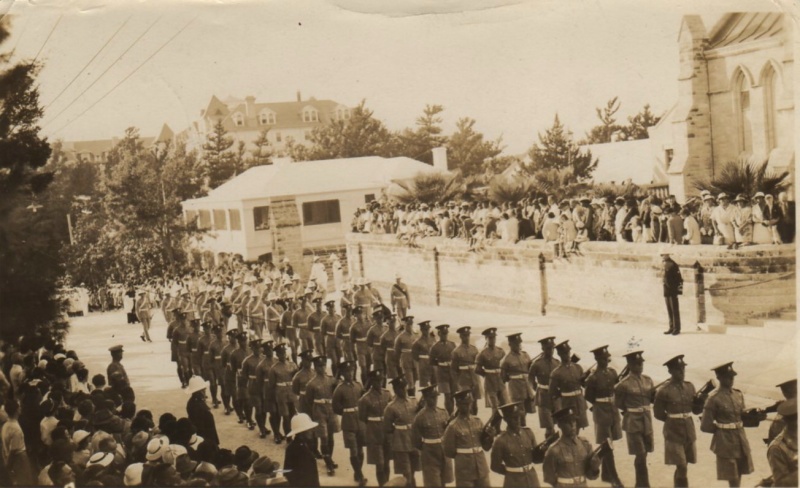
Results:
<point x="129" y="75"/>
<point x="87" y="64"/>
<point x="103" y="73"/>
<point x="47" y="39"/>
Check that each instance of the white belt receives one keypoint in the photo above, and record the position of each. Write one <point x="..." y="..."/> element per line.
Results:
<point x="684" y="415"/>
<point x="402" y="427"/>
<point x="731" y="426"/>
<point x="491" y="371"/>
<point x="571" y="481"/>
<point x="285" y="383"/>
<point x="406" y="350"/>
<point x="518" y="377"/>
<point x="444" y="364"/>
<point x="638" y="409"/>
<point x="605" y="400"/>
<point x="361" y="340"/>
<point x="520" y="469"/>
<point x="468" y="450"/>
<point x="252" y="376"/>
<point x="331" y="333"/>
<point x="544" y="387"/>
<point x="431" y="441"/>
<point x="302" y="392"/>
<point x="423" y="356"/>
<point x="571" y="393"/>
<point x="322" y="400"/>
<point x="375" y="419"/>
<point x="390" y="349"/>
<point x="467" y="367"/>
<point x="350" y="409"/>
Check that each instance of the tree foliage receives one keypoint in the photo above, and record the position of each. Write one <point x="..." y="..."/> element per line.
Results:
<point x="218" y="160"/>
<point x="263" y="152"/>
<point x="638" y="124"/>
<point x="431" y="188"/>
<point x="746" y="176"/>
<point x="468" y="151"/>
<point x="510" y="190"/>
<point x="608" y="124"/>
<point x="428" y="134"/>
<point x="556" y="150"/>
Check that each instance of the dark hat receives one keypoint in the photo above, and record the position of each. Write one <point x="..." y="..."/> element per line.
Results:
<point x="241" y="337"/>
<point x="280" y="347"/>
<point x="398" y="382"/>
<point x="563" y="346"/>
<point x="268" y="345"/>
<point x="464" y="330"/>
<point x="374" y="372"/>
<point x="184" y="464"/>
<point x="548" y="341"/>
<point x="255" y="341"/>
<point x="601" y="352"/>
<point x="357" y="308"/>
<point x="244" y="457"/>
<point x="232" y="332"/>
<point x="330" y="303"/>
<point x="490" y="332"/>
<point x="317" y="300"/>
<point x="409" y="319"/>
<point x="424" y="323"/>
<point x="102" y="417"/>
<point x="788" y="408"/>
<point x="346" y="365"/>
<point x="517" y="336"/>
<point x="319" y="360"/>
<point x="461" y="394"/>
<point x="634" y="357"/>
<point x="444" y="327"/>
<point x="265" y="465"/>
<point x="117" y="348"/>
<point x="509" y="409"/>
<point x="724" y="369"/>
<point x="676" y="362"/>
<point x="307" y="354"/>
<point x="429" y="390"/>
<point x="787" y="383"/>
<point x="563" y="414"/>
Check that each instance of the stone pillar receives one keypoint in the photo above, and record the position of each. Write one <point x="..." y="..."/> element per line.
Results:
<point x="286" y="234"/>
<point x="693" y="156"/>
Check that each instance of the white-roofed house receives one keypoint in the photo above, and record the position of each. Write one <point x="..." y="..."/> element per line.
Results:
<point x="282" y="209"/>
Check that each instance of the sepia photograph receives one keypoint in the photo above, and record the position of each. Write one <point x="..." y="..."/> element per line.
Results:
<point x="368" y="243"/>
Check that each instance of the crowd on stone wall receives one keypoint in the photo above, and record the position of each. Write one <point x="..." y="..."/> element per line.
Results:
<point x="729" y="220"/>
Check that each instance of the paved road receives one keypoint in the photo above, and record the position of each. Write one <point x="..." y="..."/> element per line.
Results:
<point x="760" y="363"/>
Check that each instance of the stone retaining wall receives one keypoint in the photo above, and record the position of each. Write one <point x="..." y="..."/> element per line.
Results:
<point x="607" y="280"/>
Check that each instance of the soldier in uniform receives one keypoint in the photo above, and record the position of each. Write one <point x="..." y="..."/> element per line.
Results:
<point x="512" y="452"/>
<point x="371" y="407"/>
<point x="391" y="356"/>
<point x="222" y="363"/>
<point x="397" y="420"/>
<point x="674" y="405"/>
<point x="539" y="375"/>
<point x="463" y="363"/>
<point x="301" y="379"/>
<point x="633" y="395"/>
<point x="193" y="343"/>
<point x="782" y="451"/>
<point x="377" y="299"/>
<point x="600" y="393"/>
<point x="300" y="326"/>
<point x="313" y="340"/>
<point x="427" y="431"/>
<point x="342" y="332"/>
<point x="268" y="405"/>
<point x="401" y="300"/>
<point x="274" y="312"/>
<point x="722" y="417"/>
<point x="319" y="395"/>
<point x="358" y="342"/>
<point x="247" y="374"/>
<point x="345" y="403"/>
<point x="565" y="385"/>
<point x="404" y="349"/>
<point x="209" y="345"/>
<point x="514" y="373"/>
<point x="420" y="351"/>
<point x="789" y="391"/>
<point x="255" y="313"/>
<point x="440" y="355"/>
<point x="488" y="366"/>
<point x="363" y="297"/>
<point x="289" y="330"/>
<point x="117" y="377"/>
<point x="374" y="341"/>
<point x="465" y="442"/>
<point x="179" y="336"/>
<point x="279" y="381"/>
<point x="570" y="461"/>
<point x="328" y="332"/>
<point x="144" y="311"/>
<point x="239" y="391"/>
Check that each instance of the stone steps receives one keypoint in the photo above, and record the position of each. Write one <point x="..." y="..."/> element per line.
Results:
<point x="769" y="329"/>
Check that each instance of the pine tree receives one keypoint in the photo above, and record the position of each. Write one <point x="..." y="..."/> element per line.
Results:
<point x="556" y="150"/>
<point x="263" y="153"/>
<point x="602" y="133"/>
<point x="218" y="165"/>
<point x="417" y="143"/>
<point x="468" y="151"/>
<point x="638" y="124"/>
<point x="360" y="135"/>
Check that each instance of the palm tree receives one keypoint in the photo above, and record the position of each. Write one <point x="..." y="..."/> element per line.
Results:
<point x="431" y="188"/>
<point x="509" y="190"/>
<point x="745" y="176"/>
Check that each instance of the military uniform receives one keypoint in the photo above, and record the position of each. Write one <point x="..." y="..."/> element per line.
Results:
<point x="514" y="372"/>
<point x="427" y="431"/>
<point x="330" y="343"/>
<point x="632" y="395"/>
<point x="319" y="397"/>
<point x="565" y="462"/>
<point x="300" y="326"/>
<point x="390" y="355"/>
<point x="371" y="407"/>
<point x="117" y="376"/>
<point x="345" y="403"/>
<point x="440" y="357"/>
<point x="358" y="338"/>
<point x="565" y="388"/>
<point x="374" y="340"/>
<point x="673" y="406"/>
<point x="312" y="338"/>
<point x="299" y="383"/>
<point x="274" y="314"/>
<point x="463" y="443"/>
<point x="404" y="349"/>
<point x="255" y="316"/>
<point x="342" y="331"/>
<point x="195" y="355"/>
<point x="421" y="354"/>
<point x="488" y="366"/>
<point x="240" y="390"/>
<point x="600" y="393"/>
<point x="512" y="456"/>
<point x="224" y="371"/>
<point x="400" y="299"/>
<point x="462" y="364"/>
<point x="397" y="420"/>
<point x="280" y="379"/>
<point x="539" y="376"/>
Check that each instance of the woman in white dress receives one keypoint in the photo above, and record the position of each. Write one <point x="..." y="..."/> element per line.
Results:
<point x="761" y="233"/>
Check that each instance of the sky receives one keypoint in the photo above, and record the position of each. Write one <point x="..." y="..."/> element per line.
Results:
<point x="509" y="64"/>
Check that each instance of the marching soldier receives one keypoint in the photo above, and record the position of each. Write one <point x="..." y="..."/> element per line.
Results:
<point x="342" y="331"/>
<point x="330" y="344"/>
<point x="404" y="351"/>
<point x="397" y="420"/>
<point x="374" y="341"/>
<point x="313" y="340"/>
<point x="570" y="461"/>
<point x="421" y="354"/>
<point x="301" y="379"/>
<point x="193" y="343"/>
<point x="288" y="329"/>
<point x="565" y="385"/>
<point x="465" y="441"/>
<point x="782" y="452"/>
<point x="674" y="405"/>
<point x="240" y="390"/>
<point x="722" y="417"/>
<point x="401" y="300"/>
<point x="633" y="395"/>
<point x="512" y="452"/>
<point x="300" y="326"/>
<point x="358" y="342"/>
<point x="427" y="431"/>
<point x="600" y="393"/>
<point x="252" y="396"/>
<point x="488" y="366"/>
<point x="440" y="355"/>
<point x="210" y="347"/>
<point x="255" y="313"/>
<point x="279" y="381"/>
<point x="319" y="396"/>
<point x="789" y="391"/>
<point x="345" y="403"/>
<point x="514" y="372"/>
<point x="363" y="297"/>
<point x="179" y="336"/>
<point x="274" y="312"/>
<point x="371" y="407"/>
<point x="391" y="357"/>
<point x="539" y="375"/>
<point x="377" y="299"/>
<point x="267" y="393"/>
<point x="462" y="364"/>
<point x="224" y="371"/>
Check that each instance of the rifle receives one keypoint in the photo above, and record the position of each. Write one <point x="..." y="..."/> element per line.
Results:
<point x="494" y="422"/>
<point x="623" y="373"/>
<point x="655" y="388"/>
<point x="752" y="417"/>
<point x="586" y="374"/>
<point x="592" y="464"/>
<point x="700" y="397"/>
<point x="540" y="450"/>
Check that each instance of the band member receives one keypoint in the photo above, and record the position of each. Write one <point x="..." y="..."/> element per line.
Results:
<point x="541" y="369"/>
<point x="488" y="366"/>
<point x="512" y="452"/>
<point x="570" y="461"/>
<point x="371" y="407"/>
<point x="427" y="432"/>
<point x="465" y="441"/>
<point x="600" y="393"/>
<point x="633" y="395"/>
<point x="404" y="351"/>
<point x="397" y="420"/>
<point x="440" y="356"/>
<point x="345" y="403"/>
<point x="421" y="353"/>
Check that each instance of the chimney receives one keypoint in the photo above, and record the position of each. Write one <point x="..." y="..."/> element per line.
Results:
<point x="299" y="99"/>
<point x="278" y="162"/>
<point x="440" y="158"/>
<point x="251" y="105"/>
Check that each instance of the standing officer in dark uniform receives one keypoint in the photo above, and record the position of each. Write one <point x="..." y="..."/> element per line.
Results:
<point x="465" y="441"/>
<point x="421" y="353"/>
<point x="514" y="372"/>
<point x="488" y="366"/>
<point x="224" y="371"/>
<point x="673" y="286"/>
<point x="280" y="384"/>
<point x="674" y="405"/>
<point x="267" y="398"/>
<point x="252" y="396"/>
<point x="565" y="385"/>
<point x="512" y="452"/>
<point x="541" y="369"/>
<point x="633" y="395"/>
<point x="722" y="417"/>
<point x="427" y="432"/>
<point x="440" y="355"/>
<point x="463" y="363"/>
<point x="600" y="393"/>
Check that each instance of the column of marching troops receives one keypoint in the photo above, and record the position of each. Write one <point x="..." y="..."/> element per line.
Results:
<point x="254" y="368"/>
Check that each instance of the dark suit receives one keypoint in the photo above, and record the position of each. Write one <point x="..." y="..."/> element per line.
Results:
<point x="786" y="224"/>
<point x="673" y="284"/>
<point x="202" y="419"/>
<point x="300" y="460"/>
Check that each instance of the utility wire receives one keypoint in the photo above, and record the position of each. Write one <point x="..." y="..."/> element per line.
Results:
<point x="47" y="39"/>
<point x="103" y="73"/>
<point x="87" y="64"/>
<point x="126" y="78"/>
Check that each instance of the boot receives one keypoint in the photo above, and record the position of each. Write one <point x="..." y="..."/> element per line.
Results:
<point x="329" y="465"/>
<point x="642" y="476"/>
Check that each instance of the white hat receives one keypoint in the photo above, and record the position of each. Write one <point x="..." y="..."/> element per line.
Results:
<point x="195" y="441"/>
<point x="79" y="435"/>
<point x="196" y="383"/>
<point x="286" y="260"/>
<point x="315" y="259"/>
<point x="172" y="452"/>
<point x="133" y="474"/>
<point x="664" y="251"/>
<point x="101" y="458"/>
<point x="272" y="296"/>
<point x="333" y="257"/>
<point x="759" y="194"/>
<point x="156" y="448"/>
<point x="301" y="423"/>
